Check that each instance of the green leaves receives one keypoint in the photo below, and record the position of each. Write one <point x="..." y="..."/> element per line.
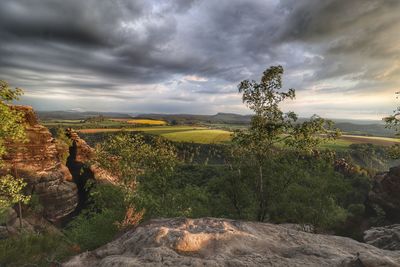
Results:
<point x="11" y="191"/>
<point x="129" y="156"/>
<point x="11" y="128"/>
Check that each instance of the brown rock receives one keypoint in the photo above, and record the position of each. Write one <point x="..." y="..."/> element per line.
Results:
<point x="81" y="156"/>
<point x="222" y="242"/>
<point x="38" y="162"/>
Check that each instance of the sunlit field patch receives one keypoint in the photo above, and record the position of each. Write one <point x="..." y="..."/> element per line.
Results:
<point x="142" y="121"/>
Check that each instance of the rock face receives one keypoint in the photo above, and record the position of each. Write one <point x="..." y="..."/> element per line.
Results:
<point x="221" y="242"/>
<point x="387" y="237"/>
<point x="38" y="162"/>
<point x="386" y="193"/>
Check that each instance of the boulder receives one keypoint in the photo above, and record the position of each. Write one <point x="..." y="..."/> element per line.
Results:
<point x="387" y="237"/>
<point x="38" y="162"/>
<point x="386" y="193"/>
<point x="222" y="242"/>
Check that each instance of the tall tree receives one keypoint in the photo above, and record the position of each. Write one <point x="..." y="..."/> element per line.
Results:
<point x="271" y="128"/>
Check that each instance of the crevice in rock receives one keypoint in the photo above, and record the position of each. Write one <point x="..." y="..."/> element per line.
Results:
<point x="81" y="174"/>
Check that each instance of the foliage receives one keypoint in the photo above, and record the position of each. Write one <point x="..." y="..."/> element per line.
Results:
<point x="94" y="229"/>
<point x="12" y="191"/>
<point x="63" y="143"/>
<point x="97" y="224"/>
<point x="129" y="156"/>
<point x="271" y="127"/>
<point x="10" y="120"/>
<point x="34" y="250"/>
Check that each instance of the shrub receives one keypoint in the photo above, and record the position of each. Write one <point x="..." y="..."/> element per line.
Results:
<point x="34" y="249"/>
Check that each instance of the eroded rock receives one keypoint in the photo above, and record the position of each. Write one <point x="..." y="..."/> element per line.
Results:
<point x="386" y="193"/>
<point x="222" y="242"/>
<point x="38" y="162"/>
<point x="387" y="237"/>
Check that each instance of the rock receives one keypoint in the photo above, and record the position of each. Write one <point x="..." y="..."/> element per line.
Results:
<point x="222" y="242"/>
<point x="386" y="193"/>
<point x="11" y="224"/>
<point x="37" y="161"/>
<point x="387" y="237"/>
<point x="81" y="161"/>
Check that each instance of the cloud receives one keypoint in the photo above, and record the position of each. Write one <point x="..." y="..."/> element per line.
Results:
<point x="181" y="54"/>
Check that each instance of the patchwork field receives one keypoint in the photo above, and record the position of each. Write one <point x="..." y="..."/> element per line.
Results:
<point x="205" y="135"/>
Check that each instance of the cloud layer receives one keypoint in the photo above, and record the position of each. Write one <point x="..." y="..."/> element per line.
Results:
<point x="343" y="57"/>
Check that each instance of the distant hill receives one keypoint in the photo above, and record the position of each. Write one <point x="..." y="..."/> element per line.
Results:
<point x="228" y="118"/>
<point x="358" y="127"/>
<point x="77" y="115"/>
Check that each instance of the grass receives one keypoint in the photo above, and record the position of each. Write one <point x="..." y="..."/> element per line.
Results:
<point x="200" y="136"/>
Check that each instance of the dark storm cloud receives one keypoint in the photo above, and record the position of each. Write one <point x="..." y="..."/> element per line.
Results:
<point x="197" y="51"/>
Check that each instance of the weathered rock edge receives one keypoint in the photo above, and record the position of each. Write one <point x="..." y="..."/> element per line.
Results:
<point x="222" y="242"/>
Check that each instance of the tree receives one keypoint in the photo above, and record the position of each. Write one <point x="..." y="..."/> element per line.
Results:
<point x="11" y="189"/>
<point x="271" y="128"/>
<point x="131" y="157"/>
<point x="11" y="129"/>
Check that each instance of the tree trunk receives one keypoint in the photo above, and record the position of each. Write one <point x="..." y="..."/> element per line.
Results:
<point x="20" y="214"/>
<point x="261" y="211"/>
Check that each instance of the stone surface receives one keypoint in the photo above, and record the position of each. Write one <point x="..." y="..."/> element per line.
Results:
<point x="386" y="193"/>
<point x="387" y="237"/>
<point x="38" y="162"/>
<point x="221" y="242"/>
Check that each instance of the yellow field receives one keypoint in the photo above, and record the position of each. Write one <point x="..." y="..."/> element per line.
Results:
<point x="148" y="122"/>
<point x="142" y="121"/>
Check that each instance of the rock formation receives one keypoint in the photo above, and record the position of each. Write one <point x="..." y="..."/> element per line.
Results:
<point x="221" y="242"/>
<point x="80" y="161"/>
<point x="38" y="162"/>
<point x="386" y="193"/>
<point x="387" y="237"/>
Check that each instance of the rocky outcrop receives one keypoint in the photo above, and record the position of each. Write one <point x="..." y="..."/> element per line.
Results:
<point x="221" y="242"/>
<point x="387" y="237"/>
<point x="386" y="193"/>
<point x="81" y="161"/>
<point x="38" y="162"/>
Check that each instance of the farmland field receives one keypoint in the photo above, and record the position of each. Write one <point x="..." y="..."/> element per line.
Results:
<point x="142" y="121"/>
<point x="205" y="135"/>
<point x="202" y="136"/>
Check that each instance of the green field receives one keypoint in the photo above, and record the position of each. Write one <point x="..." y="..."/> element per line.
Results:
<point x="203" y="136"/>
<point x="206" y="134"/>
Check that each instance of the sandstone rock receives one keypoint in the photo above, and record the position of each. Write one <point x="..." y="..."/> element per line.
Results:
<point x="81" y="157"/>
<point x="387" y="237"/>
<point x="221" y="242"/>
<point x="38" y="162"/>
<point x="386" y="193"/>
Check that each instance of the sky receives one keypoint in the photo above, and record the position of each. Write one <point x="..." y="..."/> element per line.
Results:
<point x="188" y="56"/>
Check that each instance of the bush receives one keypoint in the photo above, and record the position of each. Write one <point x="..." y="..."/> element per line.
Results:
<point x="92" y="230"/>
<point x="97" y="224"/>
<point x="34" y="249"/>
